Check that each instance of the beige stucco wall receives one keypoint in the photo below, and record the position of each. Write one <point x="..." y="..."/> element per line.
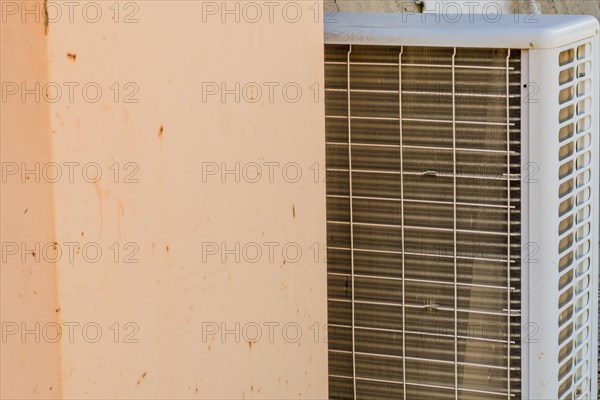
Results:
<point x="162" y="211"/>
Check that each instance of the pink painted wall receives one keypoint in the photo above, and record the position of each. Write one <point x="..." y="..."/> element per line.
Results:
<point x="157" y="316"/>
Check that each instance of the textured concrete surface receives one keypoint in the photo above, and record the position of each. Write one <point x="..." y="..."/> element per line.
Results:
<point x="589" y="7"/>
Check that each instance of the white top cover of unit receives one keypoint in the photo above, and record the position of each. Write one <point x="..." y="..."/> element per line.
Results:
<point x="517" y="31"/>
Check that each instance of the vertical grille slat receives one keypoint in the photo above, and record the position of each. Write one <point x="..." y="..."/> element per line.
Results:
<point x="423" y="210"/>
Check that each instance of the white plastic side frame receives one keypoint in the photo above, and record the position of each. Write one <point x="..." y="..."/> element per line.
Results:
<point x="540" y="359"/>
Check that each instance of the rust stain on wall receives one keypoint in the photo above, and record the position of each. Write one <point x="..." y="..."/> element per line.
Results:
<point x="142" y="378"/>
<point x="120" y="214"/>
<point x="99" y="194"/>
<point x="46" y="19"/>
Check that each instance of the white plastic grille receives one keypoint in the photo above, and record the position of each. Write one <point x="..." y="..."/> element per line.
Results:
<point x="575" y="191"/>
<point x="423" y="209"/>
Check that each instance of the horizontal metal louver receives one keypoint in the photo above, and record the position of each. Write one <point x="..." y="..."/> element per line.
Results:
<point x="423" y="209"/>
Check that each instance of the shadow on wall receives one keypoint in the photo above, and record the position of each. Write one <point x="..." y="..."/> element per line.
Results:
<point x="575" y="7"/>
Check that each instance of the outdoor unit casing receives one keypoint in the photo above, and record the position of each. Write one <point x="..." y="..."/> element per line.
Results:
<point x="462" y="206"/>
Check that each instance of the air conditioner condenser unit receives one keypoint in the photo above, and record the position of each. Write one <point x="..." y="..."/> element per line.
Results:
<point x="462" y="206"/>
